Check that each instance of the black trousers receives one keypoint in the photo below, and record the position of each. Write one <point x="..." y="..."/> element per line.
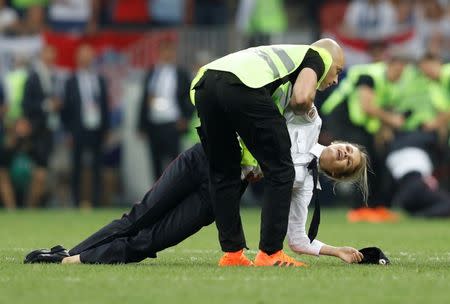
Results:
<point x="177" y="206"/>
<point x="87" y="141"/>
<point x="413" y="195"/>
<point x="226" y="107"/>
<point x="41" y="142"/>
<point x="164" y="145"/>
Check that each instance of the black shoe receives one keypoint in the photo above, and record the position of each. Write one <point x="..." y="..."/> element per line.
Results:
<point x="54" y="255"/>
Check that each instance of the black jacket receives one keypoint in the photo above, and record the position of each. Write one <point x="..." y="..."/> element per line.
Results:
<point x="33" y="101"/>
<point x="182" y="94"/>
<point x="71" y="113"/>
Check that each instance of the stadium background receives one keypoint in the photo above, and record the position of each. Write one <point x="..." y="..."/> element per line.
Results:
<point x="126" y="36"/>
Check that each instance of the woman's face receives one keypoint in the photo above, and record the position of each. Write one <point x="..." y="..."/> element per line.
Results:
<point x="340" y="159"/>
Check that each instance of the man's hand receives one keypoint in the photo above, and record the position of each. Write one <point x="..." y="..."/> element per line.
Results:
<point x="349" y="255"/>
<point x="253" y="178"/>
<point x="396" y="121"/>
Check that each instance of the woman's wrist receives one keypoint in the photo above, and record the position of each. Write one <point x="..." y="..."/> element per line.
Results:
<point x="329" y="250"/>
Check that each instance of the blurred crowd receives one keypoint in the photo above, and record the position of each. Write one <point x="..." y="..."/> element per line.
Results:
<point x="394" y="94"/>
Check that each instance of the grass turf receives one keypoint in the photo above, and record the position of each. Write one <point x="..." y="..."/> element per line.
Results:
<point x="419" y="251"/>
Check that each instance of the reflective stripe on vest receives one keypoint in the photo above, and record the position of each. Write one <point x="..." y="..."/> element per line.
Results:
<point x="289" y="65"/>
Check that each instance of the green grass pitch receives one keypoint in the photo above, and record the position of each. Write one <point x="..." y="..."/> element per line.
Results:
<point x="419" y="251"/>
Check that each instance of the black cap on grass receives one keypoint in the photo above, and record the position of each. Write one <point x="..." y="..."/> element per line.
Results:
<point x="374" y="255"/>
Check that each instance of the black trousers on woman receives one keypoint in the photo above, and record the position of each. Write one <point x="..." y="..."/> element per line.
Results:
<point x="177" y="206"/>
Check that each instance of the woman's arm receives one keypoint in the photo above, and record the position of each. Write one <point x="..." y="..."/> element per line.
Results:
<point x="297" y="237"/>
<point x="346" y="254"/>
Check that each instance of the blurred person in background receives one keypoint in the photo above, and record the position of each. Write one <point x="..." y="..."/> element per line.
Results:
<point x="168" y="13"/>
<point x="9" y="20"/>
<point x="7" y="195"/>
<point x="415" y="189"/>
<point x="34" y="22"/>
<point x="211" y="12"/>
<point x="434" y="69"/>
<point x="41" y="105"/>
<point x="424" y="100"/>
<point x="71" y="15"/>
<point x="165" y="108"/>
<point x="15" y="129"/>
<point x="369" y="19"/>
<point x="14" y="87"/>
<point x="406" y="14"/>
<point x="434" y="26"/>
<point x="356" y="112"/>
<point x="260" y="19"/>
<point x="86" y="118"/>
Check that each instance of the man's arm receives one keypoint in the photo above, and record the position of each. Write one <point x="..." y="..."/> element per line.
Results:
<point x="304" y="91"/>
<point x="305" y="84"/>
<point x="369" y="106"/>
<point x="441" y="121"/>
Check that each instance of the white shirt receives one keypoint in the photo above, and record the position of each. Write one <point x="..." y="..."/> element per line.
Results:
<point x="304" y="133"/>
<point x="89" y="87"/>
<point x="163" y="106"/>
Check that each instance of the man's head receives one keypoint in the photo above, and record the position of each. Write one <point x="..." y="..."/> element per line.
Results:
<point x="396" y="63"/>
<point x="48" y="55"/>
<point x="167" y="51"/>
<point x="337" y="54"/>
<point x="85" y="56"/>
<point x="430" y="65"/>
<point x="343" y="161"/>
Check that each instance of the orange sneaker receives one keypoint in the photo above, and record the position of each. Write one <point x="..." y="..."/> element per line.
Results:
<point x="359" y="215"/>
<point x="372" y="215"/>
<point x="236" y="258"/>
<point x="279" y="259"/>
<point x="386" y="215"/>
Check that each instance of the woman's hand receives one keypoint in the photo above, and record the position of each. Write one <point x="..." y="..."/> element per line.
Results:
<point x="349" y="255"/>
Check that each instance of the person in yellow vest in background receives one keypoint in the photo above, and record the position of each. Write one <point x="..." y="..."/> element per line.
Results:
<point x="259" y="19"/>
<point x="14" y="129"/>
<point x="418" y="153"/>
<point x="433" y="68"/>
<point x="438" y="119"/>
<point x="356" y="111"/>
<point x="233" y="95"/>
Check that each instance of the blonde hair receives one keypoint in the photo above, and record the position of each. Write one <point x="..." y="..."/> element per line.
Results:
<point x="358" y="176"/>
